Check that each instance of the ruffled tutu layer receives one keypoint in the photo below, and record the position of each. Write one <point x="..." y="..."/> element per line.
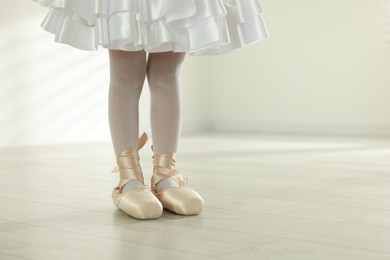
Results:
<point x="198" y="27"/>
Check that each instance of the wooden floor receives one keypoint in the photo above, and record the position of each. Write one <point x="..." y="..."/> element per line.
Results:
<point x="267" y="196"/>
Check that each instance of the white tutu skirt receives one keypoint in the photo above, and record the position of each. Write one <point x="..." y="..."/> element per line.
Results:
<point x="198" y="27"/>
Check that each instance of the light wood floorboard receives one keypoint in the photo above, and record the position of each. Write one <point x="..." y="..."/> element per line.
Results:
<point x="267" y="197"/>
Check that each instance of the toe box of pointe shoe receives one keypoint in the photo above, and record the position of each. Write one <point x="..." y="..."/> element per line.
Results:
<point x="140" y="204"/>
<point x="182" y="201"/>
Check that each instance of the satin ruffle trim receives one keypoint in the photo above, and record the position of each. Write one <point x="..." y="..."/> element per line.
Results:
<point x="198" y="27"/>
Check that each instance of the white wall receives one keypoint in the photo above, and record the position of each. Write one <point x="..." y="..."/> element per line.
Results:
<point x="325" y="69"/>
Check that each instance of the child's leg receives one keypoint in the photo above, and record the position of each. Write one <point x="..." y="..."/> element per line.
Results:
<point x="127" y="76"/>
<point x="163" y="72"/>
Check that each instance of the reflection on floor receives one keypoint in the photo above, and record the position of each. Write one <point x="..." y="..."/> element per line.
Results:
<point x="267" y="196"/>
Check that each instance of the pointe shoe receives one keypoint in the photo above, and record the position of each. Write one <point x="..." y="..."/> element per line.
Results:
<point x="140" y="203"/>
<point x="180" y="200"/>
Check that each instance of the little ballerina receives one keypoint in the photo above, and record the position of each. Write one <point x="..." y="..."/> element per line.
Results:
<point x="149" y="39"/>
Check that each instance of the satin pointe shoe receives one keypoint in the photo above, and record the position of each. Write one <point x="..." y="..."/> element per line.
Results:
<point x="140" y="203"/>
<point x="180" y="200"/>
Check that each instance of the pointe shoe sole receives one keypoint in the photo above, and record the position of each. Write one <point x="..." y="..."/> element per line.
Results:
<point x="182" y="201"/>
<point x="139" y="204"/>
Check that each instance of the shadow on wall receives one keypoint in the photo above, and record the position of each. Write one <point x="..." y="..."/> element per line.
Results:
<point x="44" y="86"/>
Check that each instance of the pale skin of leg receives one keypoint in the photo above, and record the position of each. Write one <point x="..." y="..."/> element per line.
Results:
<point x="128" y="71"/>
